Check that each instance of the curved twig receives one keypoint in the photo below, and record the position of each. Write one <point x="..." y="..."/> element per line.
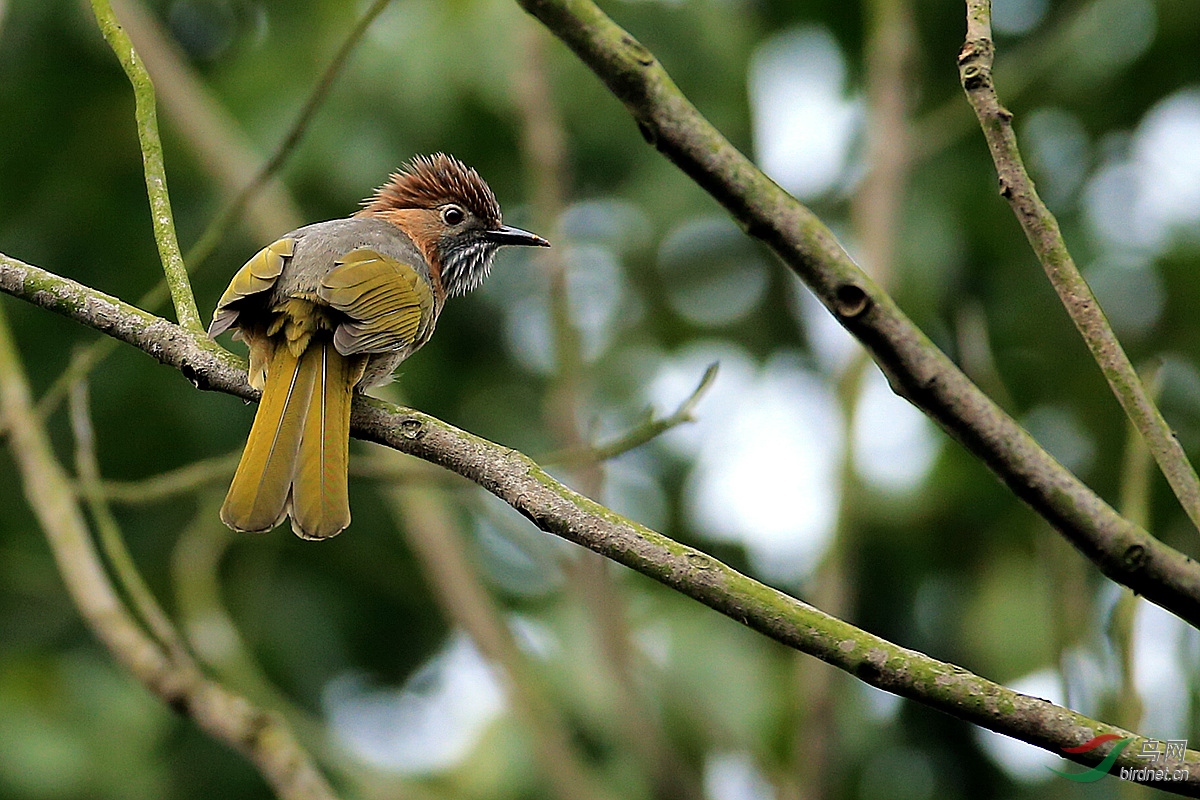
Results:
<point x="1041" y="228"/>
<point x="647" y="432"/>
<point x="516" y="479"/>
<point x="112" y="543"/>
<point x="213" y="234"/>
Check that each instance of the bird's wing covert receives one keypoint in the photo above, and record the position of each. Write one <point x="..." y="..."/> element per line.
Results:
<point x="389" y="303"/>
<point x="256" y="275"/>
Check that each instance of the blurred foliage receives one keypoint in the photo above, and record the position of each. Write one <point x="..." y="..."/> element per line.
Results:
<point x="948" y="563"/>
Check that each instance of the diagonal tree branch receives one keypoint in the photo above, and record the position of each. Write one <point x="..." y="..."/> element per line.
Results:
<point x="152" y="159"/>
<point x="214" y="136"/>
<point x="265" y="173"/>
<point x="916" y="368"/>
<point x="516" y="479"/>
<point x="1041" y="228"/>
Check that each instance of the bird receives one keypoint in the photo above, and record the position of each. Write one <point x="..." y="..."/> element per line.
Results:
<point x="331" y="309"/>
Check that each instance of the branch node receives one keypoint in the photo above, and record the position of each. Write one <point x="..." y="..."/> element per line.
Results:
<point x="1135" y="557"/>
<point x="868" y="672"/>
<point x="648" y="132"/>
<point x="850" y="300"/>
<point x="189" y="372"/>
<point x="638" y="50"/>
<point x="412" y="429"/>
<point x="975" y="76"/>
<point x="758" y="228"/>
<point x="975" y="48"/>
<point x="178" y="703"/>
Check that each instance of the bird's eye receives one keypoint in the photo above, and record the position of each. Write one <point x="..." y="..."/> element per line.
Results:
<point x="452" y="215"/>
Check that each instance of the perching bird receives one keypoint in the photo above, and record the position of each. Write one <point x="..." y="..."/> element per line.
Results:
<point x="335" y="306"/>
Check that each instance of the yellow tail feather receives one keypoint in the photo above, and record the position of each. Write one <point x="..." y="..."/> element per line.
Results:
<point x="320" y="503"/>
<point x="295" y="461"/>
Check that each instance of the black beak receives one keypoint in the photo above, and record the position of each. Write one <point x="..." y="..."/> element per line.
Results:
<point x="511" y="235"/>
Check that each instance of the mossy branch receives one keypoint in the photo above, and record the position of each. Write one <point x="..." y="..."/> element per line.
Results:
<point x="146" y="116"/>
<point x="519" y="481"/>
<point x="916" y="368"/>
<point x="1042" y="231"/>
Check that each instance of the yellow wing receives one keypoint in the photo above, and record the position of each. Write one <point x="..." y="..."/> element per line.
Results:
<point x="390" y="304"/>
<point x="256" y="275"/>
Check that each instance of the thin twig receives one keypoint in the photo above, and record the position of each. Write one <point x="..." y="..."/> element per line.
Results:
<point x="647" y="432"/>
<point x="112" y="543"/>
<point x="1166" y="576"/>
<point x="193" y="477"/>
<point x="184" y="480"/>
<point x="1030" y="60"/>
<point x="261" y="736"/>
<point x="83" y="361"/>
<point x="216" y="229"/>
<point x="221" y="146"/>
<point x="1041" y="228"/>
<point x="161" y="217"/>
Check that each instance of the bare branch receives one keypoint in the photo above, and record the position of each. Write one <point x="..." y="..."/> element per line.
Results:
<point x="152" y="159"/>
<point x="648" y="431"/>
<point x="111" y="540"/>
<point x="917" y="369"/>
<point x="1041" y="228"/>
<point x="516" y="479"/>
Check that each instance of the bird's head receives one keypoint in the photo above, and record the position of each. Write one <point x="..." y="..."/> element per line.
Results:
<point x="452" y="216"/>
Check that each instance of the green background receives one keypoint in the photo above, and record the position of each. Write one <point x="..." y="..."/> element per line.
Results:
<point x="949" y="563"/>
